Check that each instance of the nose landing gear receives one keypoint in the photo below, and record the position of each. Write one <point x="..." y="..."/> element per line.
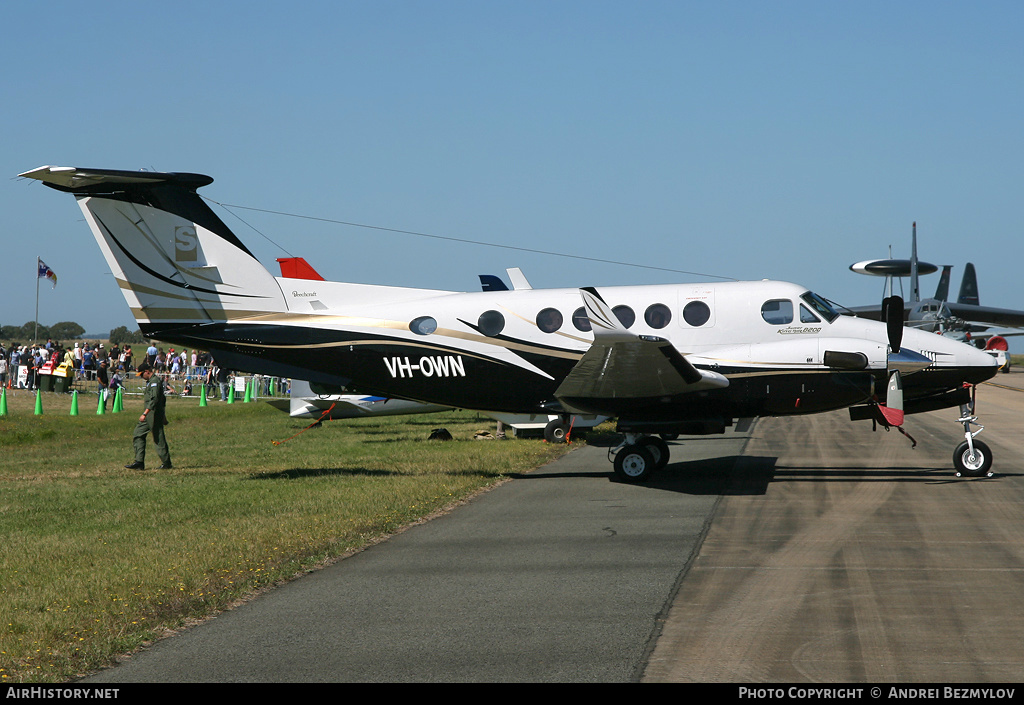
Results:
<point x="972" y="457"/>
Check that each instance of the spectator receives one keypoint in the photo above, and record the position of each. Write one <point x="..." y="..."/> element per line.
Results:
<point x="104" y="383"/>
<point x="224" y="380"/>
<point x="115" y="382"/>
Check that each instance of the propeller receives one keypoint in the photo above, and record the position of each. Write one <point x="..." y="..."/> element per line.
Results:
<point x="899" y="359"/>
<point x="892" y="314"/>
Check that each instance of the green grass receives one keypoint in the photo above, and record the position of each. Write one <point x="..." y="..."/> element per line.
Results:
<point x="99" y="560"/>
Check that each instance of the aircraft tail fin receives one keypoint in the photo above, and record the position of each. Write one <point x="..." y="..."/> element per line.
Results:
<point x="969" y="287"/>
<point x="178" y="265"/>
<point x="298" y="268"/>
<point x="942" y="290"/>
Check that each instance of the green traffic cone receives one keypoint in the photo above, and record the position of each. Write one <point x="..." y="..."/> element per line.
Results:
<point x="231" y="392"/>
<point x="39" y="403"/>
<point x="101" y="408"/>
<point x="74" y="403"/>
<point x="118" y="401"/>
<point x="248" y="391"/>
<point x="3" y="402"/>
<point x="202" y="396"/>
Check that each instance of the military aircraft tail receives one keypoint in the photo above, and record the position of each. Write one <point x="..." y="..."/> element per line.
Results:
<point x="942" y="290"/>
<point x="176" y="262"/>
<point x="969" y="287"/>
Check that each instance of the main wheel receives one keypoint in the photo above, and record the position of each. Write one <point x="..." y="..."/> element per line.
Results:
<point x="977" y="465"/>
<point x="555" y="431"/>
<point x="634" y="463"/>
<point x="658" y="450"/>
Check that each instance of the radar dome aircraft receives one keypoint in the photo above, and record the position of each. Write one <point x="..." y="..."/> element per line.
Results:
<point x="963" y="318"/>
<point x="662" y="359"/>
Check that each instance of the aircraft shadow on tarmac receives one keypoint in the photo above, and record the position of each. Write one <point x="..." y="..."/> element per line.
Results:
<point x="855" y="473"/>
<point x="727" y="475"/>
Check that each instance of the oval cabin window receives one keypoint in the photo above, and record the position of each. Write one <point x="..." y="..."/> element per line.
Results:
<point x="696" y="313"/>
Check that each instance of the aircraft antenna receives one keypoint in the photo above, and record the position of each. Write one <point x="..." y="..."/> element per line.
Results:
<point x="228" y="207"/>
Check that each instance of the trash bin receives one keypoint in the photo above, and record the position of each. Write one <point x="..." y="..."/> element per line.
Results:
<point x="44" y="382"/>
<point x="61" y="379"/>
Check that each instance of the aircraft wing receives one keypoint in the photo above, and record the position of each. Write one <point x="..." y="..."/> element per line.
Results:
<point x="872" y="312"/>
<point x="971" y="313"/>
<point x="622" y="369"/>
<point x="1000" y="317"/>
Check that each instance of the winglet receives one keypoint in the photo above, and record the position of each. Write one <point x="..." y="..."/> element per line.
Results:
<point x="519" y="281"/>
<point x="605" y="324"/>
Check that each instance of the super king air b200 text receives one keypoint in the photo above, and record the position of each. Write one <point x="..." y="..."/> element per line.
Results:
<point x="688" y="358"/>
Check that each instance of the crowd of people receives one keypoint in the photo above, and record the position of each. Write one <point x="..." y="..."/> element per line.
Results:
<point x="108" y="367"/>
<point x="88" y="361"/>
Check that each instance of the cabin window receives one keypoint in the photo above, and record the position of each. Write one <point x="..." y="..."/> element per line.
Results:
<point x="424" y="325"/>
<point x="807" y="317"/>
<point x="696" y="313"/>
<point x="581" y="320"/>
<point x="777" y="311"/>
<point x="491" y="323"/>
<point x="549" y="320"/>
<point x="658" y="316"/>
<point x="625" y="315"/>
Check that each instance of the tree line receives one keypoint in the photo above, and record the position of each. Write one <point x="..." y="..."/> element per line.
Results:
<point x="65" y="330"/>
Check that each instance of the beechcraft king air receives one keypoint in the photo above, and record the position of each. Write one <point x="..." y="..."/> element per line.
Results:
<point x="662" y="359"/>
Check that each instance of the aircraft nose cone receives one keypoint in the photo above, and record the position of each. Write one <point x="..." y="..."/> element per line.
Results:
<point x="979" y="366"/>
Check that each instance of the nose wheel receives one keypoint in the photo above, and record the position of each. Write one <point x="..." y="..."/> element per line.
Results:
<point x="973" y="461"/>
<point x="972" y="458"/>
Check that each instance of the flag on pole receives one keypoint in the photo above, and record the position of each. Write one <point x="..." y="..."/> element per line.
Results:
<point x="46" y="272"/>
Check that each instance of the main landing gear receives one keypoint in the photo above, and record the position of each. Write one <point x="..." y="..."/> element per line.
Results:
<point x="639" y="456"/>
<point x="972" y="457"/>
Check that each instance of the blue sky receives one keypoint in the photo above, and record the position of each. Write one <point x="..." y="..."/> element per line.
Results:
<point x="751" y="140"/>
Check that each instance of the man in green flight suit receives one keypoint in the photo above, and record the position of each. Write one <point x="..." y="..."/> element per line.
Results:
<point x="152" y="420"/>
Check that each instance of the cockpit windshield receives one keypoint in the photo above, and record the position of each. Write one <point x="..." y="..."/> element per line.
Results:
<point x="820" y="305"/>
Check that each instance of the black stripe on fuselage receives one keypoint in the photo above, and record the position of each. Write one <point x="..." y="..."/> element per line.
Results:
<point x="439" y="373"/>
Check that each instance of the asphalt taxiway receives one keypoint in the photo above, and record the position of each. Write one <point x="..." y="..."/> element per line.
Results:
<point x="809" y="549"/>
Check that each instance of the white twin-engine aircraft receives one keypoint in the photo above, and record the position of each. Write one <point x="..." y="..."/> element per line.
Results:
<point x="687" y="358"/>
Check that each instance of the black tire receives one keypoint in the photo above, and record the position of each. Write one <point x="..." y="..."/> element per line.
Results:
<point x="634" y="463"/>
<point x="977" y="466"/>
<point x="658" y="450"/>
<point x="556" y="431"/>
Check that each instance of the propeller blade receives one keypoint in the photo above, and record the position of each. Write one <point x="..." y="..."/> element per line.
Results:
<point x="892" y="410"/>
<point x="892" y="313"/>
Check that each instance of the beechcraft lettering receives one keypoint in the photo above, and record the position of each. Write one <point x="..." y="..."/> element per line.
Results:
<point x="799" y="331"/>
<point x="665" y="359"/>
<point x="436" y="366"/>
